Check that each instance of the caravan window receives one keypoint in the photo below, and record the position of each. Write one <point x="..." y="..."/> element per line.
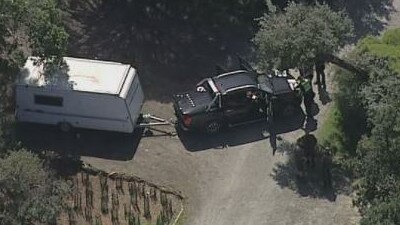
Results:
<point x="48" y="100"/>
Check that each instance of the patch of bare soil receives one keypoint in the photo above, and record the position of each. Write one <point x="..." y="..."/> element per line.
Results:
<point x="394" y="18"/>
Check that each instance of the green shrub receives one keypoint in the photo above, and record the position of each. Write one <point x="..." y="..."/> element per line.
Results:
<point x="29" y="193"/>
<point x="392" y="37"/>
<point x="385" y="213"/>
<point x="386" y="47"/>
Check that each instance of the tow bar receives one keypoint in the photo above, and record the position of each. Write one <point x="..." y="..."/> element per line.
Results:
<point x="150" y="122"/>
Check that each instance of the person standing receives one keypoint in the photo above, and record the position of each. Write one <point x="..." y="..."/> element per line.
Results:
<point x="320" y="71"/>
<point x="308" y="95"/>
<point x="270" y="123"/>
<point x="306" y="71"/>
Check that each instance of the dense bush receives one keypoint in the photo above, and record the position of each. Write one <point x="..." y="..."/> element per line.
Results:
<point x="29" y="193"/>
<point x="384" y="213"/>
<point x="370" y="125"/>
<point x="386" y="47"/>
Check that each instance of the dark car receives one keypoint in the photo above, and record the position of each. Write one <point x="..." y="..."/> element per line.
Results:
<point x="228" y="99"/>
<point x="283" y="93"/>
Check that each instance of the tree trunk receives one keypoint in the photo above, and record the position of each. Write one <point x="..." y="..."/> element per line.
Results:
<point x="345" y="65"/>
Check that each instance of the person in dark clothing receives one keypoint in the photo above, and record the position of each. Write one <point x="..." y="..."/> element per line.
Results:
<point x="306" y="72"/>
<point x="270" y="123"/>
<point x="320" y="70"/>
<point x="308" y="95"/>
<point x="272" y="140"/>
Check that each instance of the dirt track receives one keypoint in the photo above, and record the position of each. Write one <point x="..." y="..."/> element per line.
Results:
<point x="228" y="185"/>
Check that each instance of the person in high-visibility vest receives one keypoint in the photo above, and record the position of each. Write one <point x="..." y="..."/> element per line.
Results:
<point x="308" y="95"/>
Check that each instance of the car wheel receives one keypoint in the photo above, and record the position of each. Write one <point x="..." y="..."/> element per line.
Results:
<point x="213" y="127"/>
<point x="65" y="127"/>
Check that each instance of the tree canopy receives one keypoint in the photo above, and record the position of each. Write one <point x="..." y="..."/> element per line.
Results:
<point x="378" y="152"/>
<point x="384" y="213"/>
<point x="370" y="118"/>
<point x="30" y="27"/>
<point x="293" y="38"/>
<point x="29" y="193"/>
<point x="386" y="47"/>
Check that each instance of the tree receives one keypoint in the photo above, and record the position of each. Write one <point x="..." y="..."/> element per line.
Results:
<point x="386" y="47"/>
<point x="370" y="118"/>
<point x="385" y="213"/>
<point x="28" y="27"/>
<point x="378" y="153"/>
<point x="33" y="27"/>
<point x="293" y="38"/>
<point x="29" y="194"/>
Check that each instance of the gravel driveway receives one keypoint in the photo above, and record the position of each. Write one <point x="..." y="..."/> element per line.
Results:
<point x="227" y="179"/>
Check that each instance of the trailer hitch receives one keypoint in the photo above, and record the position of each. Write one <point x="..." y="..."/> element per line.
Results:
<point x="150" y="123"/>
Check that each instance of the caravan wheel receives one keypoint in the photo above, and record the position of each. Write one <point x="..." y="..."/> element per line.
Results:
<point x="65" y="127"/>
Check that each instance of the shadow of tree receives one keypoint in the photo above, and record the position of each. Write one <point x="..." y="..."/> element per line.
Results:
<point x="81" y="142"/>
<point x="239" y="135"/>
<point x="368" y="16"/>
<point x="171" y="43"/>
<point x="175" y="42"/>
<point x="311" y="184"/>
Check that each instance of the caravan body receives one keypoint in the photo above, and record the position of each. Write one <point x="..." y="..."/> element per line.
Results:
<point x="96" y="95"/>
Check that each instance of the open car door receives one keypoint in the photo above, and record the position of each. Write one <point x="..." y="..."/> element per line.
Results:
<point x="244" y="65"/>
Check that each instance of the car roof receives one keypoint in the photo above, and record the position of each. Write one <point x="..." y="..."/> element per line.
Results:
<point x="234" y="80"/>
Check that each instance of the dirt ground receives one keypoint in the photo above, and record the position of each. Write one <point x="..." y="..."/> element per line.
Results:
<point x="227" y="179"/>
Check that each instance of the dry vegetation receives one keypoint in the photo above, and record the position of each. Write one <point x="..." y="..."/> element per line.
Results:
<point x="117" y="200"/>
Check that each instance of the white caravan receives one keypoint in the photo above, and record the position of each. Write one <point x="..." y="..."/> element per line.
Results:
<point x="96" y="95"/>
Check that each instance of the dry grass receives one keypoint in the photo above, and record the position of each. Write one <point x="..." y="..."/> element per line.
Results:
<point x="123" y="202"/>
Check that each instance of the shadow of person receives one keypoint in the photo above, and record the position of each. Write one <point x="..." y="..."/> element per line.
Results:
<point x="323" y="95"/>
<point x="314" y="109"/>
<point x="307" y="181"/>
<point x="311" y="125"/>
